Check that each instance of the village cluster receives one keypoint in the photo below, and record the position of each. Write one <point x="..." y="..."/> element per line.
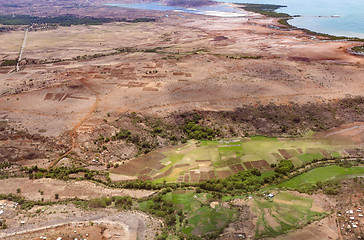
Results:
<point x="352" y="221"/>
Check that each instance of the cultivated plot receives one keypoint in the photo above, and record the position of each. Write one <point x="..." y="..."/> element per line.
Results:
<point x="199" y="161"/>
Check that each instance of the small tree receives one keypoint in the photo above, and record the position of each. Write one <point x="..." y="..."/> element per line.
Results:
<point x="18" y="190"/>
<point x="56" y="196"/>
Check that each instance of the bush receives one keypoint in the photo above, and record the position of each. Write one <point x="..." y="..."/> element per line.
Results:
<point x="284" y="167"/>
<point x="99" y="202"/>
<point x="9" y="62"/>
<point x="123" y="202"/>
<point x="171" y="220"/>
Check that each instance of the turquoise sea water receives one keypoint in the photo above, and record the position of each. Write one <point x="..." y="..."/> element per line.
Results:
<point x="316" y="15"/>
<point x="351" y="12"/>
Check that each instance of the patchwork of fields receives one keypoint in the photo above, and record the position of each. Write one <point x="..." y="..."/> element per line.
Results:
<point x="284" y="212"/>
<point x="200" y="217"/>
<point x="199" y="161"/>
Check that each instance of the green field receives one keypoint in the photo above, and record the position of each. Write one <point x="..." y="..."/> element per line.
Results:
<point x="320" y="174"/>
<point x="200" y="217"/>
<point x="282" y="213"/>
<point x="198" y="161"/>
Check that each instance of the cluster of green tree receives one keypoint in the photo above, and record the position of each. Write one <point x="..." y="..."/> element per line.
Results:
<point x="24" y="204"/>
<point x="5" y="165"/>
<point x="9" y="62"/>
<point x="64" y="20"/>
<point x="137" y="20"/>
<point x="358" y="49"/>
<point x="194" y="130"/>
<point x="165" y="209"/>
<point x="247" y="181"/>
<point x="284" y="167"/>
<point x="265" y="9"/>
<point x="12" y="197"/>
<point x="141" y="143"/>
<point x="330" y="187"/>
<point x="61" y="173"/>
<point x="3" y="224"/>
<point x="198" y="132"/>
<point x="102" y="202"/>
<point x="346" y="163"/>
<point x="119" y="202"/>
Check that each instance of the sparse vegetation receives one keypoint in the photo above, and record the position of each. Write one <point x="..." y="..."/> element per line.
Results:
<point x="65" y="20"/>
<point x="358" y="49"/>
<point x="264" y="9"/>
<point x="9" y="62"/>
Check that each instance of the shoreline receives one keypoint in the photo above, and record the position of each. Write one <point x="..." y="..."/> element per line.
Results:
<point x="268" y="11"/>
<point x="282" y="19"/>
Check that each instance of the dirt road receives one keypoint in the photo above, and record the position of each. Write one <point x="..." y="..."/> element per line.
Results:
<point x="22" y="49"/>
<point x="132" y="223"/>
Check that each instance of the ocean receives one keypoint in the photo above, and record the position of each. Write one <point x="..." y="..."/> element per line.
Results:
<point x="315" y="15"/>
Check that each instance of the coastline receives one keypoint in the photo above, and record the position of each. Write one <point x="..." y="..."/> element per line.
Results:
<point x="268" y="10"/>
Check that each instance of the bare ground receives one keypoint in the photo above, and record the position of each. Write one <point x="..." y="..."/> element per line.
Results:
<point x="64" y="220"/>
<point x="30" y="189"/>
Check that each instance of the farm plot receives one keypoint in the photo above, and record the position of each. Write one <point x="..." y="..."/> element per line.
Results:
<point x="282" y="213"/>
<point x="310" y="178"/>
<point x="199" y="161"/>
<point x="141" y="165"/>
<point x="299" y="150"/>
<point x="201" y="217"/>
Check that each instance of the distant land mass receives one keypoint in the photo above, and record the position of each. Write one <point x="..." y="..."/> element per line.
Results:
<point x="190" y="3"/>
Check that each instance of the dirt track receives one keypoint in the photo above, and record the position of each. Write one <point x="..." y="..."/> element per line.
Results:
<point x="353" y="133"/>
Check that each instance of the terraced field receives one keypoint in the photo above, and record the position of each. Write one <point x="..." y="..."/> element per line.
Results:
<point x="201" y="218"/>
<point x="199" y="161"/>
<point x="284" y="212"/>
